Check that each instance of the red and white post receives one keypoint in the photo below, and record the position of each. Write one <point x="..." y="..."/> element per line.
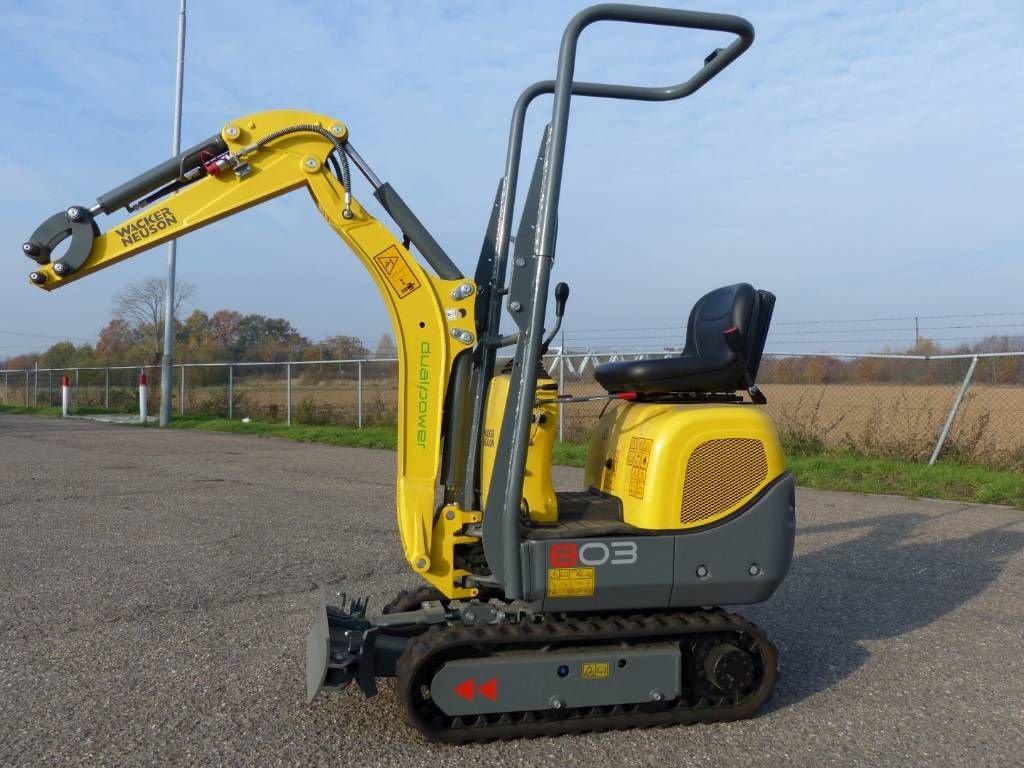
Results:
<point x="143" y="396"/>
<point x="65" y="395"/>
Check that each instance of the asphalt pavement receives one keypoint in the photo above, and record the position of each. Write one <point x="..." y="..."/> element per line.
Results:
<point x="156" y="588"/>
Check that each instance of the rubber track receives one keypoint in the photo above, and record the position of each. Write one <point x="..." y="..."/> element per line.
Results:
<point x="411" y="599"/>
<point x="427" y="653"/>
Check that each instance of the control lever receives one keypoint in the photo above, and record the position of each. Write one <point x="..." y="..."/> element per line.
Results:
<point x="561" y="296"/>
<point x="734" y="340"/>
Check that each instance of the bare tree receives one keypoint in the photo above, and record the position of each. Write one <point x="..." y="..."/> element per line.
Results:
<point x="346" y="348"/>
<point x="385" y="348"/>
<point x="141" y="304"/>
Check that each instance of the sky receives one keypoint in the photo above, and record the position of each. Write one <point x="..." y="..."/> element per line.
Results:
<point x="863" y="161"/>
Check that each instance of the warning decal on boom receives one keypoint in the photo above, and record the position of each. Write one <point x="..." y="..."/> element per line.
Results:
<point x="396" y="271"/>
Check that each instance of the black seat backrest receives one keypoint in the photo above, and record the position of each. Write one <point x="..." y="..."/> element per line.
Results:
<point x="738" y="305"/>
<point x="758" y="334"/>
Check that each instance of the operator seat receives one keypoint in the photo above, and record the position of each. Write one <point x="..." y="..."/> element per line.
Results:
<point x="708" y="363"/>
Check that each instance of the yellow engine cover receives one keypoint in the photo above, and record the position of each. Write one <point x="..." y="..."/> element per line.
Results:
<point x="683" y="466"/>
<point x="538" y="492"/>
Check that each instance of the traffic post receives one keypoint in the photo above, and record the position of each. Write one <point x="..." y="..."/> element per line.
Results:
<point x="143" y="396"/>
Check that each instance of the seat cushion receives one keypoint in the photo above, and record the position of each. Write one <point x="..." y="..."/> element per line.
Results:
<point x="671" y="374"/>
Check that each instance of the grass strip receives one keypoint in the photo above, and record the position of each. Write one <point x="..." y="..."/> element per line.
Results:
<point x="834" y="471"/>
<point x="53" y="410"/>
<point x="868" y="474"/>
<point x="367" y="437"/>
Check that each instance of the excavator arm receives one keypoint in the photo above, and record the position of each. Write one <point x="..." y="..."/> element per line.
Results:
<point x="257" y="158"/>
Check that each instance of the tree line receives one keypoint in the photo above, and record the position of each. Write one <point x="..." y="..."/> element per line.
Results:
<point x="134" y="336"/>
<point x="825" y="369"/>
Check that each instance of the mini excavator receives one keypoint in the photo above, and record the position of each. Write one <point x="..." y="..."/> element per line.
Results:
<point x="541" y="612"/>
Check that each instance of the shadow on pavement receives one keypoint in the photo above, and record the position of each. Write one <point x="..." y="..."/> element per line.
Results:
<point x="890" y="580"/>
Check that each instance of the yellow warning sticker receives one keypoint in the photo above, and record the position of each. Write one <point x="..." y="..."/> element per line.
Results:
<point x="396" y="270"/>
<point x="595" y="670"/>
<point x="571" y="582"/>
<point x="637" y="460"/>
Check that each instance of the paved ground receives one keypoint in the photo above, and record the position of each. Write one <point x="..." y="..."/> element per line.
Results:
<point x="156" y="588"/>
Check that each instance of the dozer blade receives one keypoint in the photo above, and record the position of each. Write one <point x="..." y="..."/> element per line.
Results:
<point x="318" y="650"/>
<point x="339" y="648"/>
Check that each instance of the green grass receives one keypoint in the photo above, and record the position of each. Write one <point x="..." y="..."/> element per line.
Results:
<point x="570" y="454"/>
<point x="52" y="410"/>
<point x="367" y="437"/>
<point x="866" y="474"/>
<point x="836" y="471"/>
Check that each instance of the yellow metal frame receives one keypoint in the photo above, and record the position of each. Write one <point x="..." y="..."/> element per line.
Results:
<point x="538" y="490"/>
<point x="422" y="308"/>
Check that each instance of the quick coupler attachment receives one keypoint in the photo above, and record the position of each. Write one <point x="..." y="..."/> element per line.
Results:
<point x="76" y="222"/>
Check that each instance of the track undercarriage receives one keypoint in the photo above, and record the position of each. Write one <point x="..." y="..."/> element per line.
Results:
<point x="482" y="671"/>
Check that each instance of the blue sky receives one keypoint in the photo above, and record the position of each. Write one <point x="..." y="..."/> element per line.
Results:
<point x="861" y="160"/>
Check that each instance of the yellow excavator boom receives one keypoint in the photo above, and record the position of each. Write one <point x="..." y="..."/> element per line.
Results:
<point x="275" y="152"/>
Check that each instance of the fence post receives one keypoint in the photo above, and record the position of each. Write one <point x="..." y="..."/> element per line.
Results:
<point x="359" y="394"/>
<point x="65" y="395"/>
<point x="106" y="387"/>
<point x="288" y="391"/>
<point x="231" y="391"/>
<point x="952" y="412"/>
<point x="35" y="386"/>
<point x="5" y="386"/>
<point x="181" y="396"/>
<point x="77" y="371"/>
<point x="26" y="386"/>
<point x="49" y="388"/>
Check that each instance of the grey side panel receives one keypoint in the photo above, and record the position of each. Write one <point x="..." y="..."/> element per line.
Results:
<point x="535" y="680"/>
<point x="760" y="540"/>
<point x="740" y="561"/>
<point x="629" y="571"/>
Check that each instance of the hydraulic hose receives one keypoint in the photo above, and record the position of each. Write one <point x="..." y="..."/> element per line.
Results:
<point x="339" y="152"/>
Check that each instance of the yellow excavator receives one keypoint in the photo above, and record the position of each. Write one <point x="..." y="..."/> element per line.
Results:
<point x="542" y="611"/>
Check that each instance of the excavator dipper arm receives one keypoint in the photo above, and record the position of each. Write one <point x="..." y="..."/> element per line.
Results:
<point x="257" y="158"/>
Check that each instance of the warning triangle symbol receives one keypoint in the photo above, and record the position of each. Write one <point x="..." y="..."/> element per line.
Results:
<point x="387" y="263"/>
<point x="489" y="690"/>
<point x="466" y="688"/>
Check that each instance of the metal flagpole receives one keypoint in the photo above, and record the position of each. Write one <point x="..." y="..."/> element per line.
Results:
<point x="167" y="370"/>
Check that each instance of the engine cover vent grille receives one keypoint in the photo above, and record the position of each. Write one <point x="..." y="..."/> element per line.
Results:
<point x="719" y="475"/>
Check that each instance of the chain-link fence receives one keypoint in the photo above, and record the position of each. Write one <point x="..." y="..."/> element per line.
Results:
<point x="966" y="407"/>
<point x="341" y="392"/>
